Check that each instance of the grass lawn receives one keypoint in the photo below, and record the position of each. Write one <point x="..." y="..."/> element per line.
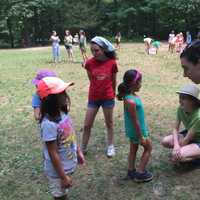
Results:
<point x="21" y="172"/>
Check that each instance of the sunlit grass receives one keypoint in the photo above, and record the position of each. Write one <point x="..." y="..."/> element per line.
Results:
<point x="20" y="148"/>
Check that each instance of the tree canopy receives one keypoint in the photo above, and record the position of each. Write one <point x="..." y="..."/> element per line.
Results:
<point x="30" y="22"/>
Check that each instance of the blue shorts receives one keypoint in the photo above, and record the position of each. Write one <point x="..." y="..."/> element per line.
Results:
<point x="184" y="133"/>
<point x="104" y="103"/>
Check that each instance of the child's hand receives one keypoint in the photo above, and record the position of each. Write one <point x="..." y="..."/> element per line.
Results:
<point x="66" y="182"/>
<point x="176" y="154"/>
<point x="80" y="157"/>
<point x="143" y="141"/>
<point x="83" y="64"/>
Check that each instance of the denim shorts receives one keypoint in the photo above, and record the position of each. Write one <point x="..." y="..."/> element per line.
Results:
<point x="184" y="133"/>
<point x="104" y="103"/>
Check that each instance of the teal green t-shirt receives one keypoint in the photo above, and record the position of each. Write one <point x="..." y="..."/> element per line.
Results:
<point x="129" y="127"/>
<point x="191" y="121"/>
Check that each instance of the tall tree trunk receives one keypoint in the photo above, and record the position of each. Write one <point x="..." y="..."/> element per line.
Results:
<point x="9" y="25"/>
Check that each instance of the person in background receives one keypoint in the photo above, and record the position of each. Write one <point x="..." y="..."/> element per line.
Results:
<point x="147" y="43"/>
<point x="118" y="40"/>
<point x="188" y="38"/>
<point x="171" y="42"/>
<point x="55" y="46"/>
<point x="68" y="39"/>
<point x="83" y="44"/>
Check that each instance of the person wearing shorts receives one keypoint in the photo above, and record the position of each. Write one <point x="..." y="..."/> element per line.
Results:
<point x="186" y="144"/>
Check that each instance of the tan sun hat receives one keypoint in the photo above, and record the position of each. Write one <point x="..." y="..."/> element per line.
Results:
<point x="191" y="90"/>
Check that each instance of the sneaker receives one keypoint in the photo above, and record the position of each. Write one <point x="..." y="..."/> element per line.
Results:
<point x="131" y="174"/>
<point x="143" y="177"/>
<point x="110" y="151"/>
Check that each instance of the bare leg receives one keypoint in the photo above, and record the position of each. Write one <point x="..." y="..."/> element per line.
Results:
<point x="89" y="120"/>
<point x="168" y="141"/>
<point x="190" y="152"/>
<point x="145" y="156"/>
<point x="108" y="115"/>
<point x="132" y="156"/>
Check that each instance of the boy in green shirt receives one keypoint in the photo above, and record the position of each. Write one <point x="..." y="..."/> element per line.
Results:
<point x="186" y="144"/>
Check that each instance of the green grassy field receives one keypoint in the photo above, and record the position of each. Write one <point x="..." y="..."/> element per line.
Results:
<point x="21" y="172"/>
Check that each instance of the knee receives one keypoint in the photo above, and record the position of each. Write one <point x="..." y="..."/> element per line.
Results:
<point x="165" y="142"/>
<point x="109" y="124"/>
<point x="87" y="127"/>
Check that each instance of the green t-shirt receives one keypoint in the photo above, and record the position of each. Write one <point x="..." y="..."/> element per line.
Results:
<point x="191" y="121"/>
<point x="129" y="127"/>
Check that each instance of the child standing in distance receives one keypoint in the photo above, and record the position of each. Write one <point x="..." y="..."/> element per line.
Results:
<point x="156" y="44"/>
<point x="118" y="40"/>
<point x="101" y="71"/>
<point x="36" y="101"/>
<point x="82" y="44"/>
<point x="58" y="136"/>
<point x="135" y="125"/>
<point x="185" y="144"/>
<point x="68" y="39"/>
<point x="171" y="42"/>
<point x="55" y="46"/>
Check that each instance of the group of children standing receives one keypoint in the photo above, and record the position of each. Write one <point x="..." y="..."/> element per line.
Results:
<point x="68" y="42"/>
<point x="177" y="41"/>
<point x="61" y="153"/>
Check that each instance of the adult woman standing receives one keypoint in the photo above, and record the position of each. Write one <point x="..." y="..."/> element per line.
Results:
<point x="101" y="70"/>
<point x="68" y="39"/>
<point x="82" y="44"/>
<point x="55" y="46"/>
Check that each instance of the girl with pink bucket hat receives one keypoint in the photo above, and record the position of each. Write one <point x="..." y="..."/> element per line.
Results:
<point x="60" y="150"/>
<point x="185" y="144"/>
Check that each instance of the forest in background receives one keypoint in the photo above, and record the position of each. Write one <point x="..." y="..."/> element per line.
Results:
<point x="25" y="23"/>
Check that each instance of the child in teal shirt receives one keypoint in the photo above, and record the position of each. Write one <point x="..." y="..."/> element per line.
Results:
<point x="135" y="125"/>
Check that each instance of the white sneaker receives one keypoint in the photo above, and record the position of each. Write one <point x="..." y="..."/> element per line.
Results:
<point x="110" y="151"/>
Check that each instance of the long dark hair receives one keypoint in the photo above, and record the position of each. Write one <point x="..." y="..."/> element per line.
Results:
<point x="125" y="87"/>
<point x="108" y="54"/>
<point x="192" y="52"/>
<point x="53" y="104"/>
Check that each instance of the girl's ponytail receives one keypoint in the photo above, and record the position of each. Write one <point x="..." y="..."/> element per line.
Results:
<point x="122" y="91"/>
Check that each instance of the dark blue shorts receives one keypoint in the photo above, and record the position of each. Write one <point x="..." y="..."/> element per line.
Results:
<point x="184" y="133"/>
<point x="104" y="103"/>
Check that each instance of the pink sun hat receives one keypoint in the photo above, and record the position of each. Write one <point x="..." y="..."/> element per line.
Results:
<point x="51" y="85"/>
<point x="42" y="74"/>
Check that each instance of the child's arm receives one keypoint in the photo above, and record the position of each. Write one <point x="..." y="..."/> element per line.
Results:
<point x="80" y="156"/>
<point x="186" y="140"/>
<point x="131" y="107"/>
<point x="175" y="134"/>
<point x="37" y="114"/>
<point x="114" y="77"/>
<point x="66" y="181"/>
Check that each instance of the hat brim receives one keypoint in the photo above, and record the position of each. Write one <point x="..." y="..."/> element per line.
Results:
<point x="62" y="88"/>
<point x="182" y="92"/>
